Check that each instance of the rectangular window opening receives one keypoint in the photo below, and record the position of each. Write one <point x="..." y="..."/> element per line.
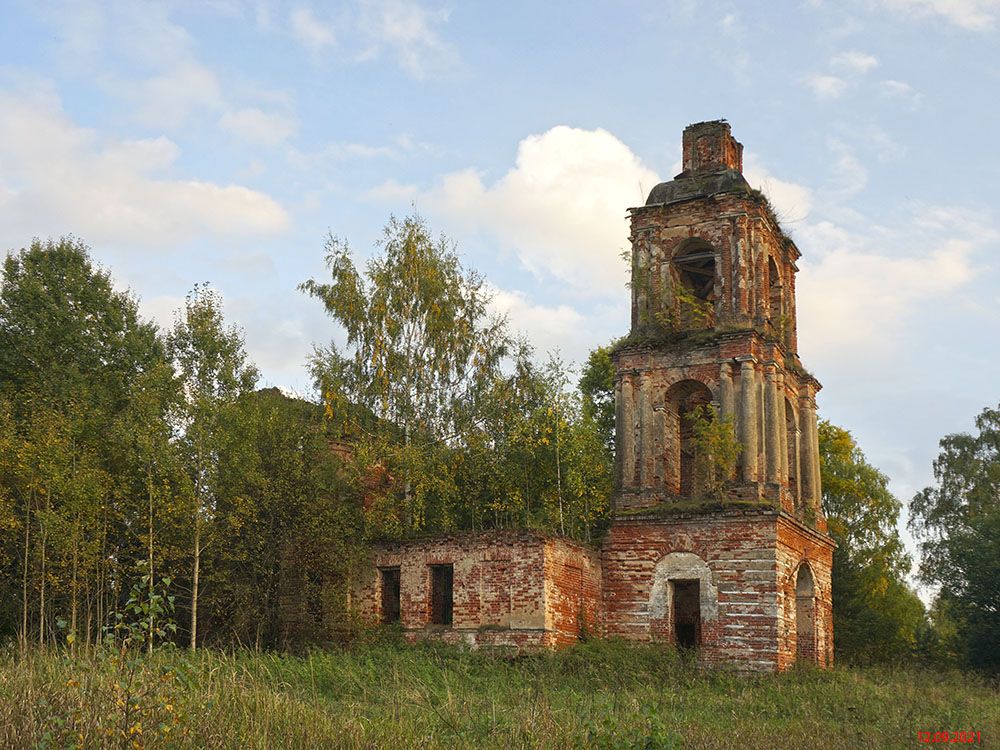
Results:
<point x="442" y="578"/>
<point x="687" y="613"/>
<point x="390" y="595"/>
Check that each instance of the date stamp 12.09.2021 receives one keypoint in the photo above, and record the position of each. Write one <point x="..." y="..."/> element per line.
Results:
<point x="950" y="738"/>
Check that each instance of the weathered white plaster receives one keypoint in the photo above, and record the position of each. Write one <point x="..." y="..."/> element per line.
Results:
<point x="683" y="566"/>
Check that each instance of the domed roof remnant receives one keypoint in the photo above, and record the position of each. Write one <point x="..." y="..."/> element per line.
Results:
<point x="713" y="163"/>
<point x="686" y="186"/>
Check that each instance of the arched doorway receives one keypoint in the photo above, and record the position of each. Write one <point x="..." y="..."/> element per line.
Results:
<point x="684" y="600"/>
<point x="805" y="616"/>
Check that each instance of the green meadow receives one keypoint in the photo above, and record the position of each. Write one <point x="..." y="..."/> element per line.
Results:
<point x="595" y="695"/>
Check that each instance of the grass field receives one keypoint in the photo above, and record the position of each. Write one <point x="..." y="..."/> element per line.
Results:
<point x="596" y="695"/>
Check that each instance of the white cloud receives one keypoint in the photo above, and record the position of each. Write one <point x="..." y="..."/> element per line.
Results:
<point x="826" y="87"/>
<point x="901" y="91"/>
<point x="314" y="34"/>
<point x="547" y="328"/>
<point x="791" y="201"/>
<point x="61" y="178"/>
<point x="854" y="62"/>
<point x="560" y="209"/>
<point x="391" y="192"/>
<point x="136" y="51"/>
<point x="973" y="15"/>
<point x="169" y="98"/>
<point x="253" y="125"/>
<point x="161" y="309"/>
<point x="731" y="25"/>
<point x="849" y="175"/>
<point x="407" y="28"/>
<point x="858" y="287"/>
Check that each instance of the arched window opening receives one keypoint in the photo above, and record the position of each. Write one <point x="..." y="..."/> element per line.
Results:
<point x="792" y="441"/>
<point x="682" y="400"/>
<point x="805" y="616"/>
<point x="774" y="289"/>
<point x="695" y="273"/>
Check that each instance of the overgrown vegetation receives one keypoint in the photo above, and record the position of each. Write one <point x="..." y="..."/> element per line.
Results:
<point x="876" y="615"/>
<point x="121" y="444"/>
<point x="958" y="521"/>
<point x="129" y="455"/>
<point x="469" y="432"/>
<point x="595" y="695"/>
<point x="716" y="449"/>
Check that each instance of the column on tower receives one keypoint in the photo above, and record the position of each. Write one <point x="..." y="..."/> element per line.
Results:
<point x="818" y="485"/>
<point x="782" y="428"/>
<point x="797" y="459"/>
<point x="628" y="431"/>
<point x="658" y="448"/>
<point x="761" y="426"/>
<point x="772" y="442"/>
<point x="642" y="283"/>
<point x="726" y="395"/>
<point x="748" y="418"/>
<point x="645" y="418"/>
<point x="619" y="433"/>
<point x="809" y="454"/>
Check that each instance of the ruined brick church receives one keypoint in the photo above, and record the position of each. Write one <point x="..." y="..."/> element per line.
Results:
<point x="743" y="578"/>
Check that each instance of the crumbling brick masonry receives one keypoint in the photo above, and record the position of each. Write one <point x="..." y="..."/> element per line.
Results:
<point x="743" y="575"/>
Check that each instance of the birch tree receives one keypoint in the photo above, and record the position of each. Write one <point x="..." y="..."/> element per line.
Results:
<point x="422" y="347"/>
<point x="212" y="367"/>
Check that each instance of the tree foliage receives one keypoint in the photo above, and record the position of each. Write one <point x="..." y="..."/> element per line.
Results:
<point x="214" y="375"/>
<point x="877" y="617"/>
<point x="597" y="387"/>
<point x="73" y="361"/>
<point x="454" y="424"/>
<point x="958" y="521"/>
<point x="119" y="447"/>
<point x="716" y="450"/>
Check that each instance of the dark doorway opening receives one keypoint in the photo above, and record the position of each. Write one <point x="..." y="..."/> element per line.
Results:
<point x="390" y="595"/>
<point x="442" y="578"/>
<point x="687" y="613"/>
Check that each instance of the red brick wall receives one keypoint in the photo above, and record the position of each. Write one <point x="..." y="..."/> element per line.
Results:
<point x="798" y="545"/>
<point x="522" y="589"/>
<point x="743" y="615"/>
<point x="511" y="588"/>
<point x="573" y="593"/>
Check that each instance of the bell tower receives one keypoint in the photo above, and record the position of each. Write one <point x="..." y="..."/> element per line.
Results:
<point x="727" y="557"/>
<point x="713" y="324"/>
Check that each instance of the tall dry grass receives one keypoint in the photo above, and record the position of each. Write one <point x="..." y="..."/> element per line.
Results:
<point x="596" y="695"/>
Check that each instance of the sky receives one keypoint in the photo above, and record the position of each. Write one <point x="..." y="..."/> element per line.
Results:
<point x="222" y="141"/>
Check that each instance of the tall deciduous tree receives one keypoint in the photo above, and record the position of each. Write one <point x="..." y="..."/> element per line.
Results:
<point x="294" y="537"/>
<point x="72" y="350"/>
<point x="214" y="373"/>
<point x="877" y="616"/>
<point x="597" y="386"/>
<point x="958" y="520"/>
<point x="422" y="349"/>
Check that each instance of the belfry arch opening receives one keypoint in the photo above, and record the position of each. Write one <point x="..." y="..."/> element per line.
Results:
<point x="695" y="275"/>
<point x="805" y="616"/>
<point x="683" y="399"/>
<point x="775" y="308"/>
